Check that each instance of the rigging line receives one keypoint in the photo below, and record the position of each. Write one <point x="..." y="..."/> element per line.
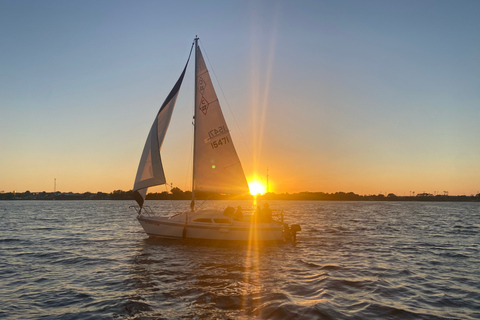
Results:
<point x="201" y="205"/>
<point x="191" y="49"/>
<point x="226" y="101"/>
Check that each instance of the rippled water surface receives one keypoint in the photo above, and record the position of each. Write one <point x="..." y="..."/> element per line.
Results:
<point x="353" y="260"/>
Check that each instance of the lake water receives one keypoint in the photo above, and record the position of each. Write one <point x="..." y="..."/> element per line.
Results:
<point x="353" y="260"/>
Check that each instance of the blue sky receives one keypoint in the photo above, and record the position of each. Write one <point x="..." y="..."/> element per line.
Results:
<point x="362" y="96"/>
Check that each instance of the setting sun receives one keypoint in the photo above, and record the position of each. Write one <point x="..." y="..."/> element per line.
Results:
<point x="257" y="188"/>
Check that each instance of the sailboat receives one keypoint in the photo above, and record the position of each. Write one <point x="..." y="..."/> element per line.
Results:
<point x="216" y="168"/>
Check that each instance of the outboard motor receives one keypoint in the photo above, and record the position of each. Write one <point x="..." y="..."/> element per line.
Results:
<point x="290" y="233"/>
<point x="294" y="228"/>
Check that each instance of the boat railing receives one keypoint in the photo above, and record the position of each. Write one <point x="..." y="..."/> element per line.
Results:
<point x="278" y="214"/>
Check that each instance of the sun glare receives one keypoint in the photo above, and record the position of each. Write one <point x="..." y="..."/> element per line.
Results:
<point x="257" y="188"/>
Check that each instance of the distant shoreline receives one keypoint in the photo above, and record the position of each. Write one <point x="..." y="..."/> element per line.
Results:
<point x="177" y="194"/>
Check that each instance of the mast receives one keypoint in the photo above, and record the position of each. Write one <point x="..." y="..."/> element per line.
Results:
<point x="192" y="204"/>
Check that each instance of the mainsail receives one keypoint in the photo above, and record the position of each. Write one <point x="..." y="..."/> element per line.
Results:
<point x="150" y="170"/>
<point x="217" y="167"/>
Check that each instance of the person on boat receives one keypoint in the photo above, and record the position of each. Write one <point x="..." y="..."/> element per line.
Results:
<point x="266" y="213"/>
<point x="229" y="211"/>
<point x="238" y="214"/>
<point x="257" y="215"/>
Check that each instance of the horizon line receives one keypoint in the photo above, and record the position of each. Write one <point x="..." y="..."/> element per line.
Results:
<point x="385" y="194"/>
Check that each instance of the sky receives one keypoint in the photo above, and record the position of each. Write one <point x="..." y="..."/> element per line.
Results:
<point x="326" y="96"/>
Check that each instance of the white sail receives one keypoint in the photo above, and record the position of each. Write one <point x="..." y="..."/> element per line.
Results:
<point x="150" y="170"/>
<point x="217" y="167"/>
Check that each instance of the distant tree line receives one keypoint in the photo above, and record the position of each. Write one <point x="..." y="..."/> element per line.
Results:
<point x="350" y="196"/>
<point x="178" y="194"/>
<point x="27" y="195"/>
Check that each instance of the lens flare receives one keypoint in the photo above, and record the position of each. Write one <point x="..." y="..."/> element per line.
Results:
<point x="257" y="188"/>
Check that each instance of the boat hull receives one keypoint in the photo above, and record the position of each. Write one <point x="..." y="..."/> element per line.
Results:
<point x="159" y="228"/>
<point x="233" y="231"/>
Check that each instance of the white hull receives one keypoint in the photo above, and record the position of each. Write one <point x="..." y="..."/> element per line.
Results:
<point x="218" y="228"/>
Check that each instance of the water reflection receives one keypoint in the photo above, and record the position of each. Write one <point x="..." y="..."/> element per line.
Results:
<point x="206" y="279"/>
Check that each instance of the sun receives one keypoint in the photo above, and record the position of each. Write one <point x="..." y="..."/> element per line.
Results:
<point x="257" y="188"/>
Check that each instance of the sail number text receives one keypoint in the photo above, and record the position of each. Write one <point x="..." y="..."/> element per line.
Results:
<point x="217" y="131"/>
<point x="220" y="142"/>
